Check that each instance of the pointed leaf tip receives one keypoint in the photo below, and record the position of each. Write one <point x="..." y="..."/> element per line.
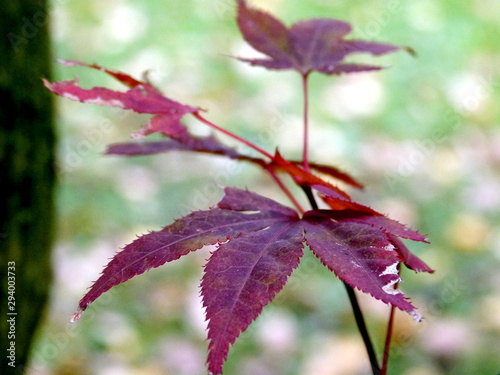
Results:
<point x="409" y="259"/>
<point x="416" y="315"/>
<point x="410" y="50"/>
<point x="77" y="315"/>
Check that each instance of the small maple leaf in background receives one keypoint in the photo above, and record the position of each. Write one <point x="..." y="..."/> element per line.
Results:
<point x="311" y="45"/>
<point x="142" y="97"/>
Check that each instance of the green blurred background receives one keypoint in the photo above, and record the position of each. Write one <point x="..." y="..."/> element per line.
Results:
<point x="422" y="135"/>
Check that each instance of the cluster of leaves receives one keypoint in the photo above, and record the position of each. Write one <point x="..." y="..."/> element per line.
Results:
<point x="259" y="241"/>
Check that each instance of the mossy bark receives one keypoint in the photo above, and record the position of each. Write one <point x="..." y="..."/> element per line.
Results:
<point x="27" y="175"/>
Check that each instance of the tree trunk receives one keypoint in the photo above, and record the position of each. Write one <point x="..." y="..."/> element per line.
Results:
<point x="27" y="176"/>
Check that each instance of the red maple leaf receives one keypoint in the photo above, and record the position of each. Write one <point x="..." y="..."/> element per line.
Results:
<point x="142" y="97"/>
<point x="260" y="243"/>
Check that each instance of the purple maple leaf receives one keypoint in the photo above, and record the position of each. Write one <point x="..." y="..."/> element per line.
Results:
<point x="259" y="244"/>
<point x="311" y="45"/>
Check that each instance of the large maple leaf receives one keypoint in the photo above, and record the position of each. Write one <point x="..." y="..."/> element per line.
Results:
<point x="310" y="45"/>
<point x="260" y="242"/>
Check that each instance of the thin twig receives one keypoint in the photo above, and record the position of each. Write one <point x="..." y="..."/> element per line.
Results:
<point x="360" y="321"/>
<point x="305" y="151"/>
<point x="310" y="197"/>
<point x="285" y="190"/>
<point x="232" y="135"/>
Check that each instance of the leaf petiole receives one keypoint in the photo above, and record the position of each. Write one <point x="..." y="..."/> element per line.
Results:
<point x="261" y="151"/>
<point x="287" y="192"/>
<point x="232" y="135"/>
<point x="305" y="92"/>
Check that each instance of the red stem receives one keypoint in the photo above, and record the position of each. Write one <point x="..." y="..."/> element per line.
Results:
<point x="388" y="336"/>
<point x="232" y="135"/>
<point x="261" y="151"/>
<point x="305" y="91"/>
<point x="286" y="190"/>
